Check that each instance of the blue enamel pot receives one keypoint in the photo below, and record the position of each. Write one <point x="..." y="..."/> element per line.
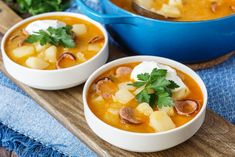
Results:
<point x="183" y="41"/>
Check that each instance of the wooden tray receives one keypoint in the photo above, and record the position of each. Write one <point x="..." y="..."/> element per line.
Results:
<point x="215" y="138"/>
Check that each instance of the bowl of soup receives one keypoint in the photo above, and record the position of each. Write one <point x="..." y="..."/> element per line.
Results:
<point x="54" y="50"/>
<point x="200" y="30"/>
<point x="144" y="103"/>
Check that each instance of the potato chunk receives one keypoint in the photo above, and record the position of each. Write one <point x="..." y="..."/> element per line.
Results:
<point x="81" y="57"/>
<point x="145" y="109"/>
<point x="123" y="96"/>
<point x="177" y="3"/>
<point x="51" y="54"/>
<point x="94" y="47"/>
<point x="169" y="11"/>
<point x="160" y="121"/>
<point x="125" y="85"/>
<point x="169" y="110"/>
<point x="79" y="29"/>
<point x="36" y="63"/>
<point x="181" y="93"/>
<point x="23" y="51"/>
<point x="40" y="48"/>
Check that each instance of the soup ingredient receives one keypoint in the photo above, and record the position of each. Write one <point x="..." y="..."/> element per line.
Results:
<point x="23" y="51"/>
<point x="127" y="115"/>
<point x="63" y="56"/>
<point x="34" y="7"/>
<point x="186" y="107"/>
<point x="123" y="71"/>
<point x="147" y="66"/>
<point x="169" y="11"/>
<point x="160" y="121"/>
<point x="55" y="36"/>
<point x="124" y="96"/>
<point x="39" y="47"/>
<point x="125" y="85"/>
<point x="38" y="25"/>
<point x="51" y="54"/>
<point x="105" y="88"/>
<point x="145" y="109"/>
<point x="169" y="110"/>
<point x="95" y="39"/>
<point x="36" y="63"/>
<point x="157" y="90"/>
<point x="79" y="29"/>
<point x="177" y="3"/>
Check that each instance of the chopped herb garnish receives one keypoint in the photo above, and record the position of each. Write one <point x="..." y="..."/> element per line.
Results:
<point x="60" y="36"/>
<point x="157" y="89"/>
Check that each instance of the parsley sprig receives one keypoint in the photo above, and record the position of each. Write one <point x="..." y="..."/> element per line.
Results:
<point x="157" y="89"/>
<point x="55" y="36"/>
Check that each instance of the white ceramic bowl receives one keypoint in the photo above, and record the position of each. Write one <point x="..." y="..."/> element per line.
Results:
<point x="144" y="142"/>
<point x="60" y="78"/>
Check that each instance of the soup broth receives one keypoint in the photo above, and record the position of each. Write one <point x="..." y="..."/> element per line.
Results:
<point x="191" y="10"/>
<point x="108" y="108"/>
<point x="84" y="49"/>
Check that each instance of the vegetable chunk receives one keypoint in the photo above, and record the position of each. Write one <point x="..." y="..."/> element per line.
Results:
<point x="51" y="54"/>
<point x="145" y="109"/>
<point x="36" y="63"/>
<point x="23" y="51"/>
<point x="160" y="121"/>
<point x="79" y="29"/>
<point x="124" y="96"/>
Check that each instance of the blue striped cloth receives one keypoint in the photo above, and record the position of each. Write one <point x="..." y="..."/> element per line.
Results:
<point x="24" y="117"/>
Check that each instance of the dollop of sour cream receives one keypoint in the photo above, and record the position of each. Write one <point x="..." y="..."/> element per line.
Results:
<point x="147" y="67"/>
<point x="43" y="25"/>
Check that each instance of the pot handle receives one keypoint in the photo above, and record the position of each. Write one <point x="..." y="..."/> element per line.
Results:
<point x="103" y="18"/>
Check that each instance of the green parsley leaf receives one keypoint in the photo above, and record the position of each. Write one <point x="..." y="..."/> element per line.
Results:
<point x="157" y="89"/>
<point x="143" y="77"/>
<point x="61" y="36"/>
<point x="172" y="85"/>
<point x="138" y="84"/>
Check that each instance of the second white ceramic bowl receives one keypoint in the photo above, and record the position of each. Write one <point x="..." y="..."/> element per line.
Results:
<point x="60" y="78"/>
<point x="144" y="142"/>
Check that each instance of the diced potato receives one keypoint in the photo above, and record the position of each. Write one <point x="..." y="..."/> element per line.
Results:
<point x="124" y="96"/>
<point x="145" y="109"/>
<point x="114" y="98"/>
<point x="98" y="99"/>
<point x="146" y="3"/>
<point x="40" y="48"/>
<point x="41" y="55"/>
<point x="111" y="117"/>
<point x="160" y="121"/>
<point x="169" y="110"/>
<point x="81" y="57"/>
<point x="138" y="90"/>
<point x="36" y="63"/>
<point x="79" y="29"/>
<point x="169" y="11"/>
<point x="113" y="111"/>
<point x="94" y="47"/>
<point x="23" y="51"/>
<point x="177" y="3"/>
<point x="180" y="93"/>
<point x="125" y="85"/>
<point x="51" y="54"/>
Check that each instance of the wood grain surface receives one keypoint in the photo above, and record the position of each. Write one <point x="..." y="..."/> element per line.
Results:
<point x="216" y="138"/>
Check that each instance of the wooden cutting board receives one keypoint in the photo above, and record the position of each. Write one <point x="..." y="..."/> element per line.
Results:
<point x="215" y="138"/>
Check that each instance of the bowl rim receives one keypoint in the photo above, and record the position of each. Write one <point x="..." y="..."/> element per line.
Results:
<point x="140" y="58"/>
<point x="76" y="15"/>
<point x="170" y="22"/>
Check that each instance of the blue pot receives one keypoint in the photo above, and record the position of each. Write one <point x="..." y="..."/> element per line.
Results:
<point x="182" y="41"/>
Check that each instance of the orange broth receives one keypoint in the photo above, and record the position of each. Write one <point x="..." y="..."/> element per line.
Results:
<point x="81" y="42"/>
<point x="100" y="109"/>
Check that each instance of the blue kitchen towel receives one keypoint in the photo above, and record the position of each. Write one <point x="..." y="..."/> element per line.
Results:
<point x="22" y="114"/>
